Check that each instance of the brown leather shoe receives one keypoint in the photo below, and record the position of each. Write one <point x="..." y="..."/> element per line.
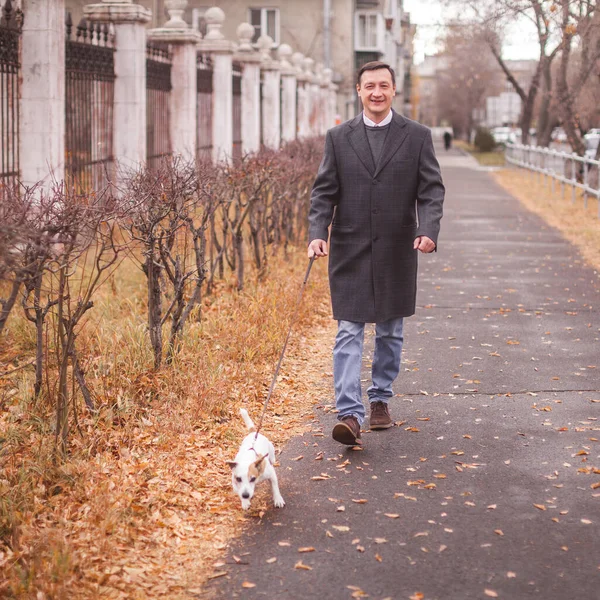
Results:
<point x="380" y="415"/>
<point x="347" y="431"/>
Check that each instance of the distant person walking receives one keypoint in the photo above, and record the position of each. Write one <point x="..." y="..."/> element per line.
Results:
<point x="447" y="140"/>
<point x="379" y="187"/>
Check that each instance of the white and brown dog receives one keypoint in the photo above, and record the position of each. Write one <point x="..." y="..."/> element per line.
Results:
<point x="254" y="463"/>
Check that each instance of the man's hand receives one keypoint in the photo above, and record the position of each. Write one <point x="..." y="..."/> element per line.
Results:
<point x="317" y="248"/>
<point x="424" y="244"/>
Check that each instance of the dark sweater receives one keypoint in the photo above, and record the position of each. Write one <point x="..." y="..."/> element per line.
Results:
<point x="376" y="137"/>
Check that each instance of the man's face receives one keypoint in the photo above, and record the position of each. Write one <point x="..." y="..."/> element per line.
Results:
<point x="376" y="92"/>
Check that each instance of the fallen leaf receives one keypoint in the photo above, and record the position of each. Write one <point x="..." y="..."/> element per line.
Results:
<point x="248" y="585"/>
<point x="272" y="560"/>
<point x="540" y="506"/>
<point x="490" y="593"/>
<point x="392" y="515"/>
<point x="498" y="532"/>
<point x="359" y="500"/>
<point x="341" y="527"/>
<point x="300" y="565"/>
<point x="306" y="549"/>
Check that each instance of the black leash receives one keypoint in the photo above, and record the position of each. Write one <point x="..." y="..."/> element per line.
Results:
<point x="295" y="314"/>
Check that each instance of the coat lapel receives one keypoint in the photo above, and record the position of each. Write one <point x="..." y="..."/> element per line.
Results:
<point x="357" y="138"/>
<point x="393" y="140"/>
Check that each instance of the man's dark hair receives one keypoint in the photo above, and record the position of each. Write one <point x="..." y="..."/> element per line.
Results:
<point x="375" y="65"/>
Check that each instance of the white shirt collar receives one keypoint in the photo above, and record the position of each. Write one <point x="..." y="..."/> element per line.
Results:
<point x="383" y="123"/>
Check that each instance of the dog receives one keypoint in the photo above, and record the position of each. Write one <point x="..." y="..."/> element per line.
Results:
<point x="254" y="463"/>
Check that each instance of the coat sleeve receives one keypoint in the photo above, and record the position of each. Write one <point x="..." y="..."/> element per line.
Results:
<point x="430" y="192"/>
<point x="324" y="195"/>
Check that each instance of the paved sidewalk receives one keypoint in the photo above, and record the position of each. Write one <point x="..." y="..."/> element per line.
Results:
<point x="486" y="489"/>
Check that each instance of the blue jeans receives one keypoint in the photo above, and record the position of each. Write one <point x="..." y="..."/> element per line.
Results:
<point x="347" y="361"/>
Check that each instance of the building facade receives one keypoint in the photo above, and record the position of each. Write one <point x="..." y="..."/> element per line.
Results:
<point x="337" y="34"/>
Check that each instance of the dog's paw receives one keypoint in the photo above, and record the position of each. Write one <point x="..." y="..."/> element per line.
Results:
<point x="279" y="502"/>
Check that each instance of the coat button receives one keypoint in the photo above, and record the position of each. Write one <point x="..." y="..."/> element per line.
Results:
<point x="375" y="182"/>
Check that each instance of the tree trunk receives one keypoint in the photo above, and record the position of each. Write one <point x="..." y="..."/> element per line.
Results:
<point x="8" y="304"/>
<point x="152" y="271"/>
<point x="545" y="121"/>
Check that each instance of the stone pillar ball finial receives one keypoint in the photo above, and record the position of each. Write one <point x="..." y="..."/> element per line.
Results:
<point x="308" y="64"/>
<point x="215" y="17"/>
<point x="327" y="73"/>
<point x="297" y="60"/>
<point x="245" y="33"/>
<point x="176" y="8"/>
<point x="265" y="43"/>
<point x="284" y="54"/>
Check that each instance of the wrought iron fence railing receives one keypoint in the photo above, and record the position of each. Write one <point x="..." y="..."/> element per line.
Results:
<point x="564" y="168"/>
<point x="158" y="90"/>
<point x="89" y="104"/>
<point x="204" y="107"/>
<point x="11" y="20"/>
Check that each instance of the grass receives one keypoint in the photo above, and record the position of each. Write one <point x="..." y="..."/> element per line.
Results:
<point x="576" y="222"/>
<point x="142" y="506"/>
<point x="487" y="159"/>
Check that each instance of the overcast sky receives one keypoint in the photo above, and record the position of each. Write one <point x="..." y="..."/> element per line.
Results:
<point x="429" y="16"/>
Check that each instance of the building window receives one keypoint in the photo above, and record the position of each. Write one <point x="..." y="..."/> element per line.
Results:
<point x="265" y="22"/>
<point x="369" y="31"/>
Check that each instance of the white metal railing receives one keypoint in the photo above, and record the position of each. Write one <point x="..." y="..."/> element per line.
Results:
<point x="569" y="169"/>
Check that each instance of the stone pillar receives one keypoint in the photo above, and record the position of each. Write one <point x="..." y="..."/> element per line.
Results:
<point x="42" y="105"/>
<point x="333" y="110"/>
<point x="183" y="97"/>
<point x="129" y="120"/>
<point x="271" y="95"/>
<point x="303" y="98"/>
<point x="221" y="52"/>
<point x="250" y="61"/>
<point x="288" y="94"/>
<point x="328" y="115"/>
<point x="314" y="90"/>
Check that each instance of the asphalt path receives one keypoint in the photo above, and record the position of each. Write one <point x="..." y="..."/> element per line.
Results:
<point x="489" y="485"/>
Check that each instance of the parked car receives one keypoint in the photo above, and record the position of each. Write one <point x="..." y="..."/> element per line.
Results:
<point x="591" y="141"/>
<point x="504" y="135"/>
<point x="559" y="134"/>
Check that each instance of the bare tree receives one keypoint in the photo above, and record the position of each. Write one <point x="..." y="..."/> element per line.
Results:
<point x="470" y="75"/>
<point x="580" y="19"/>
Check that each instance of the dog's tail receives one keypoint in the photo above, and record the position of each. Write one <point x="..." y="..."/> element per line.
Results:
<point x="249" y="423"/>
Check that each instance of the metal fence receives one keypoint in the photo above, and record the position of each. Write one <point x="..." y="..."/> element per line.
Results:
<point x="89" y="104"/>
<point x="158" y="88"/>
<point x="11" y="21"/>
<point x="204" y="107"/>
<point x="237" y="111"/>
<point x="564" y="168"/>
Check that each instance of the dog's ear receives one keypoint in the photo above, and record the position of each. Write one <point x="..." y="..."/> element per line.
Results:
<point x="232" y="464"/>
<point x="259" y="463"/>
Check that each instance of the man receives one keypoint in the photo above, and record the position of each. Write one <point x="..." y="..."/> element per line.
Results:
<point x="379" y="187"/>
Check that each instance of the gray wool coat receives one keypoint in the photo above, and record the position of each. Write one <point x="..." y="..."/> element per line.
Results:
<point x="375" y="213"/>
